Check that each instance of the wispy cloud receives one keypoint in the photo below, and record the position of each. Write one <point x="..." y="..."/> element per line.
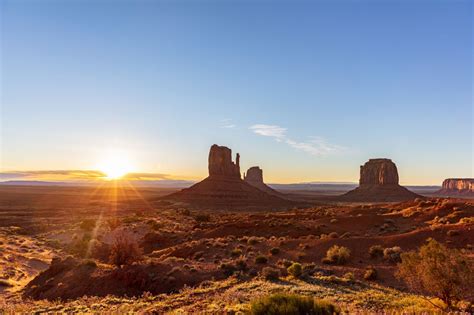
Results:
<point x="227" y="123"/>
<point x="273" y="131"/>
<point x="316" y="146"/>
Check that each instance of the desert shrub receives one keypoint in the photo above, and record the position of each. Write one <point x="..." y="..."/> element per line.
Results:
<point x="295" y="270"/>
<point x="124" y="250"/>
<point x="392" y="254"/>
<point x="241" y="264"/>
<point x="274" y="251"/>
<point x="349" y="276"/>
<point x="252" y="240"/>
<point x="337" y="255"/>
<point x="83" y="247"/>
<point x="236" y="252"/>
<point x="376" y="251"/>
<point x="155" y="225"/>
<point x="270" y="273"/>
<point x="439" y="271"/>
<point x="228" y="269"/>
<point x="370" y="274"/>
<point x="113" y="223"/>
<point x="87" y="225"/>
<point x="261" y="259"/>
<point x="282" y="303"/>
<point x="202" y="218"/>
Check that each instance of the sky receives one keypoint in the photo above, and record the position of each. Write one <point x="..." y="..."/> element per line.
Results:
<point x="307" y="90"/>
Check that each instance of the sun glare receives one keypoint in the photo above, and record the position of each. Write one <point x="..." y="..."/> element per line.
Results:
<point x="115" y="167"/>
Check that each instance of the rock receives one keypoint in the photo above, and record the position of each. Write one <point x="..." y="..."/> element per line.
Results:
<point x="457" y="186"/>
<point x="224" y="187"/>
<point x="378" y="172"/>
<point x="379" y="183"/>
<point x="254" y="177"/>
<point x="221" y="164"/>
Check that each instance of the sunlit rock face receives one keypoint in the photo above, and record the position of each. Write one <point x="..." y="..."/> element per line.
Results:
<point x="378" y="183"/>
<point x="378" y="172"/>
<point x="221" y="164"/>
<point x="458" y="186"/>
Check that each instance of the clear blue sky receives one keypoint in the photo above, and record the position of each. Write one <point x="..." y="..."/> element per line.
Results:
<point x="307" y="90"/>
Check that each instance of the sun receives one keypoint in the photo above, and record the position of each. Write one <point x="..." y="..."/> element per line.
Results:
<point x="115" y="167"/>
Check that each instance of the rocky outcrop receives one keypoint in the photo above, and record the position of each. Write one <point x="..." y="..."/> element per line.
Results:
<point x="224" y="187"/>
<point x="221" y="164"/>
<point x="379" y="183"/>
<point x="457" y="186"/>
<point x="254" y="177"/>
<point x="378" y="172"/>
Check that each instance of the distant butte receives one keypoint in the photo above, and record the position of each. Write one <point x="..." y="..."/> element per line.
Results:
<point x="224" y="186"/>
<point x="379" y="183"/>
<point x="457" y="187"/>
<point x="254" y="177"/>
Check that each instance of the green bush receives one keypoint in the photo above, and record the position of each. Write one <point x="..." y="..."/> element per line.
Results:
<point x="252" y="240"/>
<point x="260" y="259"/>
<point x="275" y="251"/>
<point x="392" y="254"/>
<point x="295" y="270"/>
<point x="337" y="255"/>
<point x="124" y="250"/>
<point x="280" y="303"/>
<point x="439" y="271"/>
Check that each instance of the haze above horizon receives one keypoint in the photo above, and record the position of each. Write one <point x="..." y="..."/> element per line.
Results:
<point x="309" y="91"/>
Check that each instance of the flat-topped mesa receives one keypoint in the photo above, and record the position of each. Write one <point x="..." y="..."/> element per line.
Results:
<point x="378" y="172"/>
<point x="379" y="183"/>
<point x="458" y="185"/>
<point x="221" y="164"/>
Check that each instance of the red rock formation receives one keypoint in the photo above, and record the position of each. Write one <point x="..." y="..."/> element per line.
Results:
<point x="378" y="172"/>
<point x="254" y="177"/>
<point x="220" y="162"/>
<point x="379" y="182"/>
<point x="225" y="188"/>
<point x="457" y="186"/>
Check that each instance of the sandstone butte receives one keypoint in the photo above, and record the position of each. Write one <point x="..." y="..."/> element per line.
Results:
<point x="254" y="177"/>
<point x="379" y="182"/>
<point x="224" y="186"/>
